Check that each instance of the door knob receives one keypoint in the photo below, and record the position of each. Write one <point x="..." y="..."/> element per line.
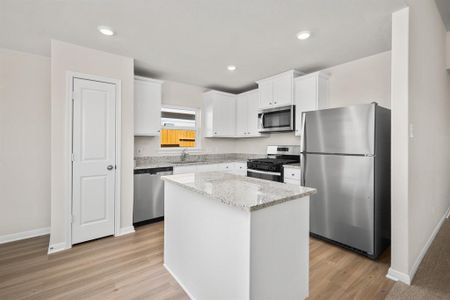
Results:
<point x="110" y="167"/>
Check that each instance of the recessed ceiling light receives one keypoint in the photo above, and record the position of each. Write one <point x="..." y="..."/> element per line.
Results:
<point x="106" y="30"/>
<point x="304" y="35"/>
<point x="231" y="68"/>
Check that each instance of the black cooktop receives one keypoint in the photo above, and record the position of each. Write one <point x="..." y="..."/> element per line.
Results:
<point x="272" y="164"/>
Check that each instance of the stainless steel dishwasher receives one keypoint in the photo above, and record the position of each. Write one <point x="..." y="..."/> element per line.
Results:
<point x="149" y="194"/>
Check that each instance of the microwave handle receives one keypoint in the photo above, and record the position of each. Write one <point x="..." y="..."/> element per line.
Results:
<point x="261" y="121"/>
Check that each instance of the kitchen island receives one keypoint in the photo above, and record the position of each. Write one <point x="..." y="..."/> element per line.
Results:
<point x="233" y="237"/>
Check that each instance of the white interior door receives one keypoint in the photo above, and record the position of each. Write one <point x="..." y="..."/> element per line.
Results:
<point x="94" y="159"/>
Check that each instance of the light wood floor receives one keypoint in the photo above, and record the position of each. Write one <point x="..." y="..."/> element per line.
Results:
<point x="130" y="267"/>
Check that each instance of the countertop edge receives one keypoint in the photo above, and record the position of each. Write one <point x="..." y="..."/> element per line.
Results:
<point x="309" y="192"/>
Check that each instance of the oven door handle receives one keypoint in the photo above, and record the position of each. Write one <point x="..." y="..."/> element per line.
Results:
<point x="264" y="172"/>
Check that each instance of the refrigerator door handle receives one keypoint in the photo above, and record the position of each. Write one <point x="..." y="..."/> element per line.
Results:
<point x="302" y="132"/>
<point x="302" y="169"/>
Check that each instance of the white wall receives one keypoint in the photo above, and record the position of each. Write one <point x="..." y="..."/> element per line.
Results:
<point x="429" y="118"/>
<point x="68" y="57"/>
<point x="361" y="81"/>
<point x="185" y="95"/>
<point x="429" y="114"/>
<point x="399" y="146"/>
<point x="24" y="143"/>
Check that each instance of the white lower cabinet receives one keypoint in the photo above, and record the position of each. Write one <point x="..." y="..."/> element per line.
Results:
<point x="184" y="169"/>
<point x="291" y="175"/>
<point x="238" y="168"/>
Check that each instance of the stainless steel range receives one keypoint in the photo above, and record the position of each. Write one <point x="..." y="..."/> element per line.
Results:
<point x="271" y="168"/>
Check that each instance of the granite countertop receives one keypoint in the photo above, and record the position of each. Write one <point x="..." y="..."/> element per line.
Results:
<point x="292" y="166"/>
<point x="192" y="159"/>
<point x="239" y="191"/>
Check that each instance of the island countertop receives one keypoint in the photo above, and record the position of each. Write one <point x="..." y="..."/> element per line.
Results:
<point x="239" y="191"/>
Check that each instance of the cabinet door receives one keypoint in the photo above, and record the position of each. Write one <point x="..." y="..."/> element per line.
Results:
<point x="147" y="108"/>
<point x="252" y="113"/>
<point x="224" y="116"/>
<point x="282" y="90"/>
<point x="240" y="168"/>
<point x="184" y="169"/>
<point x="242" y="114"/>
<point x="306" y="90"/>
<point x="207" y="168"/>
<point x="265" y="94"/>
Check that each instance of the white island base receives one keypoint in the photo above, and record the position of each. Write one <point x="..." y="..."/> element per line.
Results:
<point x="217" y="251"/>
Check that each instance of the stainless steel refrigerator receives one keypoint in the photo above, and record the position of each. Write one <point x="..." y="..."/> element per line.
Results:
<point x="346" y="157"/>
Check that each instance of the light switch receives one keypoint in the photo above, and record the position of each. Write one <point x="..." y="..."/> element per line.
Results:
<point x="411" y="131"/>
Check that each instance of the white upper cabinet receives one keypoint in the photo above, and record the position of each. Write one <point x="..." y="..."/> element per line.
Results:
<point x="247" y="114"/>
<point x="277" y="90"/>
<point x="265" y="93"/>
<point x="241" y="115"/>
<point x="252" y="112"/>
<point x="147" y="106"/>
<point x="283" y="90"/>
<point x="219" y="112"/>
<point x="311" y="93"/>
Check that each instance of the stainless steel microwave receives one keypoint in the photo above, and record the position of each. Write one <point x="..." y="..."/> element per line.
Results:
<point x="277" y="119"/>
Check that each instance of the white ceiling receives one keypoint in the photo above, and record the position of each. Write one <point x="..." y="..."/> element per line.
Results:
<point x="193" y="41"/>
<point x="444" y="9"/>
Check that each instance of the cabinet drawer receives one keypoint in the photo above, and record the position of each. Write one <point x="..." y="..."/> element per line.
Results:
<point x="292" y="181"/>
<point x="184" y="169"/>
<point x="291" y="173"/>
<point x="240" y="166"/>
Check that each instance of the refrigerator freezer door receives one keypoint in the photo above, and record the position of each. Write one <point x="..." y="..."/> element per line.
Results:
<point x="346" y="130"/>
<point x="343" y="208"/>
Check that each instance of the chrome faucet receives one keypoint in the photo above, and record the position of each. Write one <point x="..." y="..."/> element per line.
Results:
<point x="183" y="155"/>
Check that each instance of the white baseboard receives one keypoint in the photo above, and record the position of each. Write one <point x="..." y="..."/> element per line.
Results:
<point x="54" y="248"/>
<point x="427" y="245"/>
<point x="125" y="230"/>
<point x="178" y="281"/>
<point x="398" y="276"/>
<point x="24" y="235"/>
<point x="407" y="278"/>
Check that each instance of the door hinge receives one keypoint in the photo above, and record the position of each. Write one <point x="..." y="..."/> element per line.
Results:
<point x="73" y="157"/>
<point x="72" y="219"/>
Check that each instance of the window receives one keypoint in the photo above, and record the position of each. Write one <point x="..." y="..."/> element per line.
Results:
<point x="178" y="128"/>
